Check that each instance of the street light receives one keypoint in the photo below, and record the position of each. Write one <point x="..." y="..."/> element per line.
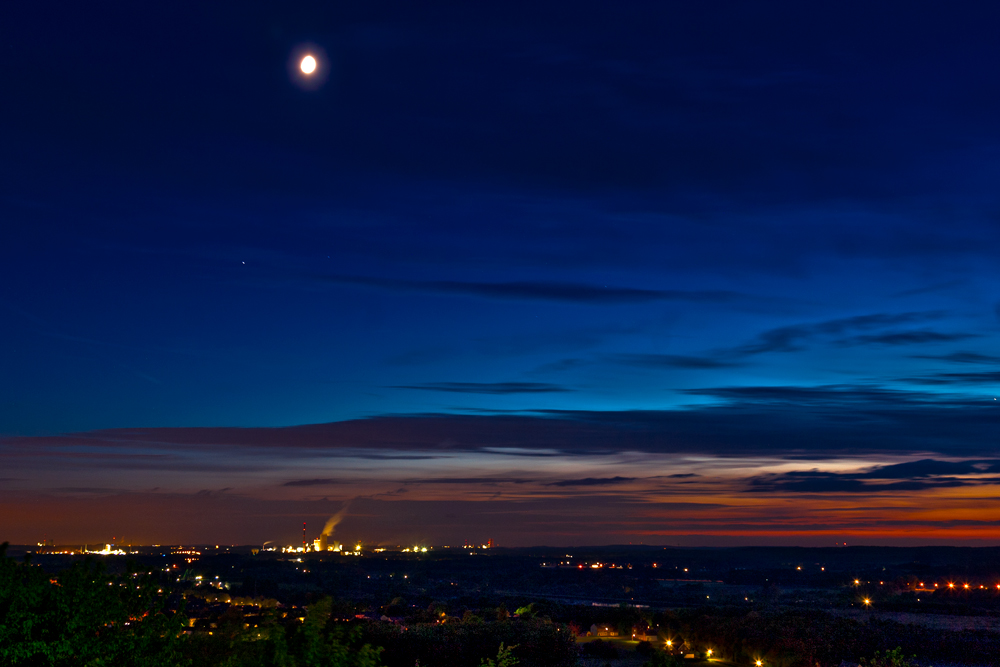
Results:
<point x="868" y="602"/>
<point x="709" y="653"/>
<point x="759" y="663"/>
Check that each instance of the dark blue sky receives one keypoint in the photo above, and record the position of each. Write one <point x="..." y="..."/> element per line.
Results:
<point x="776" y="212"/>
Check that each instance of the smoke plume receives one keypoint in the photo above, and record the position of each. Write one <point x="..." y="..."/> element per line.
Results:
<point x="332" y="522"/>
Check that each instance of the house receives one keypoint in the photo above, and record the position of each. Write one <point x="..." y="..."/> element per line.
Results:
<point x="602" y="631"/>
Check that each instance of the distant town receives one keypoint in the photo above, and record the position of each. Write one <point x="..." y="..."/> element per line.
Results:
<point x="618" y="605"/>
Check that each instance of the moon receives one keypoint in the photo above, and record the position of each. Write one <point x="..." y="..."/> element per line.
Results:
<point x="308" y="65"/>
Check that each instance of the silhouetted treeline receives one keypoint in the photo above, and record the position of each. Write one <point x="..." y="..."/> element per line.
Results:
<point x="85" y="617"/>
<point x="803" y="638"/>
<point x="82" y="616"/>
<point x="536" y="643"/>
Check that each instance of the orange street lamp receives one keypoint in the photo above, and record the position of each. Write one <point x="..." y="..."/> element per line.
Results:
<point x="759" y="663"/>
<point x="868" y="602"/>
<point x="709" y="653"/>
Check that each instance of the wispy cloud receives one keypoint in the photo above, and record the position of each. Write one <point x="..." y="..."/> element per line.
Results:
<point x="914" y="337"/>
<point x="928" y="289"/>
<point x="961" y="358"/>
<point x="494" y="388"/>
<point x="830" y="483"/>
<point x="910" y="476"/>
<point x="672" y="361"/>
<point x="593" y="481"/>
<point x="793" y="338"/>
<point x="568" y="292"/>
<point x="469" y="480"/>
<point x="326" y="481"/>
<point x="87" y="489"/>
<point x="986" y="377"/>
<point x="560" y="366"/>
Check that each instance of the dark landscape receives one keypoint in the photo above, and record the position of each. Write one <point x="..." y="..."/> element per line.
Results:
<point x="615" y="605"/>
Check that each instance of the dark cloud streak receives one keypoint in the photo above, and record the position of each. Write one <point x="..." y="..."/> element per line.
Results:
<point x="793" y="338"/>
<point x="313" y="482"/>
<point x="910" y="476"/>
<point x="961" y="358"/>
<point x="794" y="422"/>
<point x="916" y="337"/>
<point x="672" y="361"/>
<point x="493" y="388"/>
<point x="566" y="292"/>
<point x="593" y="481"/>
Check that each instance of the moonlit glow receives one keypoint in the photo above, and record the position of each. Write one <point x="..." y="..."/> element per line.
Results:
<point x="308" y="65"/>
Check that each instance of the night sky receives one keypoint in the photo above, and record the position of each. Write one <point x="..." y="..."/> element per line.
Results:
<point x="700" y="273"/>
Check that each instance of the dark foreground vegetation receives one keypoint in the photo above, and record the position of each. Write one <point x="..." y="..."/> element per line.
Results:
<point x="85" y="618"/>
<point x="85" y="615"/>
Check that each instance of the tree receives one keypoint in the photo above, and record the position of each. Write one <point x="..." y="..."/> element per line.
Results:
<point x="84" y="617"/>
<point x="318" y="645"/>
<point x="661" y="659"/>
<point x="893" y="658"/>
<point x="505" y="658"/>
